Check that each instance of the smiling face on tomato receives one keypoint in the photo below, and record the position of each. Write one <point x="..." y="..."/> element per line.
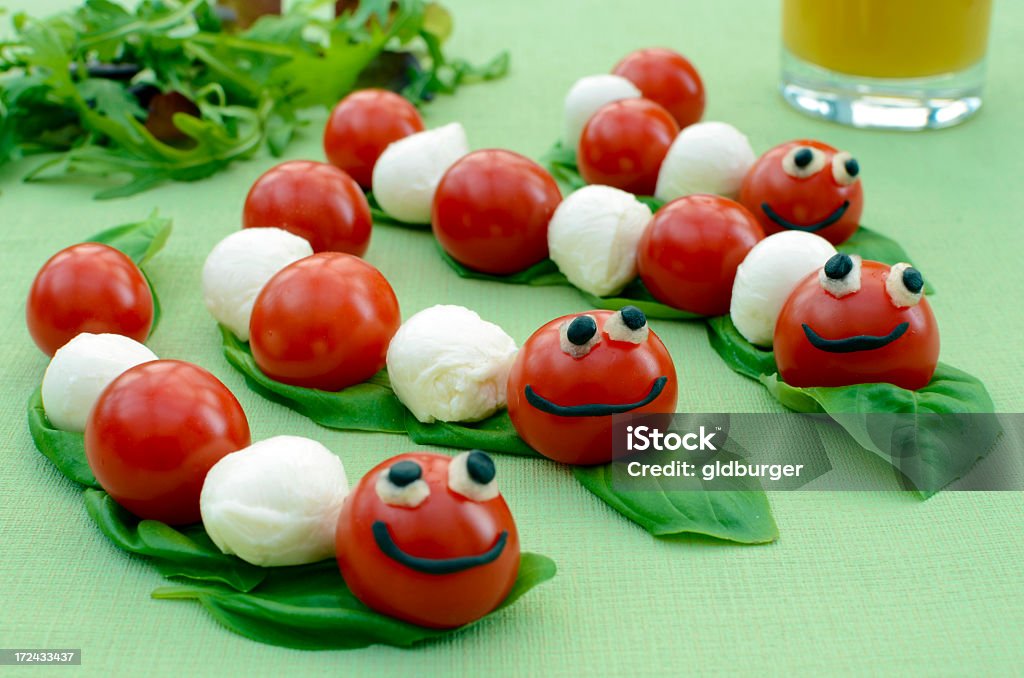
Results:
<point x="428" y="539"/>
<point x="805" y="186"/>
<point x="854" y="322"/>
<point x="575" y="372"/>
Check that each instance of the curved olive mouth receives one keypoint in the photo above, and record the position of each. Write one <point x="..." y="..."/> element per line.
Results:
<point x="810" y="228"/>
<point x="593" y="409"/>
<point x="386" y="543"/>
<point x="861" y="342"/>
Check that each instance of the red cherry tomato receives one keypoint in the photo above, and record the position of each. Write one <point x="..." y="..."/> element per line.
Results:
<point x="324" y="322"/>
<point x="859" y="338"/>
<point x="562" y="404"/>
<point x="805" y="185"/>
<point x="315" y="201"/>
<point x="444" y="562"/>
<point x="361" y="127"/>
<point x="689" y="252"/>
<point x="491" y="211"/>
<point x="88" y="288"/>
<point x="624" y="143"/>
<point x="156" y="431"/>
<point x="668" y="78"/>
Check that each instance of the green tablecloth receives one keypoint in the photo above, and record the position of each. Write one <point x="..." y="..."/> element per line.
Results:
<point x="857" y="582"/>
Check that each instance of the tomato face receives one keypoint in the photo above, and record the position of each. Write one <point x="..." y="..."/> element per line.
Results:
<point x="805" y="186"/>
<point x="428" y="539"/>
<point x="491" y="211"/>
<point x="324" y="322"/>
<point x="624" y="144"/>
<point x="667" y="78"/>
<point x="314" y="201"/>
<point x="882" y="332"/>
<point x="576" y="371"/>
<point x="690" y="251"/>
<point x="361" y="127"/>
<point x="88" y="288"/>
<point x="156" y="431"/>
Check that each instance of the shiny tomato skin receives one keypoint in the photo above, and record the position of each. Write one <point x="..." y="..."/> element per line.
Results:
<point x="324" y="322"/>
<point x="613" y="372"/>
<point x="315" y="201"/>
<point x="668" y="78"/>
<point x="491" y="211"/>
<point x="690" y="251"/>
<point x="156" y="431"/>
<point x="88" y="287"/>
<point x="445" y="525"/>
<point x="801" y="201"/>
<point x="362" y="125"/>
<point x="624" y="143"/>
<point x="907" y="362"/>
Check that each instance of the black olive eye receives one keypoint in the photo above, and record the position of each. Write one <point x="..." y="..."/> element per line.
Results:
<point x="852" y="167"/>
<point x="803" y="157"/>
<point x="802" y="162"/>
<point x="471" y="475"/>
<point x="480" y="467"/>
<point x="629" y="324"/>
<point x="912" y="280"/>
<point x="402" y="484"/>
<point x="633" y="317"/>
<point x="838" y="267"/>
<point x="581" y="330"/>
<point x="404" y="472"/>
<point x="845" y="168"/>
<point x="904" y="285"/>
<point x="840" y="275"/>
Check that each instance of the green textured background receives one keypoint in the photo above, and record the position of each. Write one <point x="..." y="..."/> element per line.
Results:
<point x="858" y="582"/>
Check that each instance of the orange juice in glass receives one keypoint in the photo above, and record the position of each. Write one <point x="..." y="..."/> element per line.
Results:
<point x="899" y="64"/>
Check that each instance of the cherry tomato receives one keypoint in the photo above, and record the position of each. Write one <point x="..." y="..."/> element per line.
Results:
<point x="689" y="252"/>
<point x="805" y="186"/>
<point x="624" y="143"/>
<point x="491" y="211"/>
<point x="156" y="431"/>
<point x="324" y="322"/>
<point x="428" y="539"/>
<point x="315" y="201"/>
<point x="883" y="332"/>
<point x="576" y="371"/>
<point x="361" y="127"/>
<point x="668" y="78"/>
<point x="88" y="288"/>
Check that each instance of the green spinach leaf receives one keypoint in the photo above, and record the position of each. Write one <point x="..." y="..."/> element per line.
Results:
<point x="140" y="240"/>
<point x="66" y="449"/>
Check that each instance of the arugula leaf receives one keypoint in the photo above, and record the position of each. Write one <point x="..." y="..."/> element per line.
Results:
<point x="140" y="240"/>
<point x="310" y="608"/>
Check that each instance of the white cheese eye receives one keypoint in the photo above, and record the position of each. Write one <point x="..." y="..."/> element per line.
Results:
<point x="579" y="335"/>
<point x="845" y="168"/>
<point x="904" y="285"/>
<point x="471" y="474"/>
<point x="840" y="275"/>
<point x="803" y="162"/>
<point x="628" y="324"/>
<point x="402" y="484"/>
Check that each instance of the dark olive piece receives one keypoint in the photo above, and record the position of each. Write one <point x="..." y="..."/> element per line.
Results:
<point x="480" y="467"/>
<point x="404" y="472"/>
<point x="633" y="317"/>
<point x="581" y="330"/>
<point x="839" y="266"/>
<point x="803" y="157"/>
<point x="852" y="167"/>
<point x="912" y="280"/>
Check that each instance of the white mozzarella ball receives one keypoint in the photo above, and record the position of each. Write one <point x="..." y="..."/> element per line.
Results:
<point x="275" y="502"/>
<point x="708" y="157"/>
<point x="767" y="276"/>
<point x="407" y="173"/>
<point x="593" y="238"/>
<point x="240" y="265"/>
<point x="81" y="369"/>
<point x="586" y="96"/>
<point x="446" y="363"/>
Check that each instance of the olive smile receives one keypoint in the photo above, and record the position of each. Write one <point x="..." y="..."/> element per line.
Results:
<point x="810" y="228"/>
<point x="593" y="409"/>
<point x="861" y="342"/>
<point x="386" y="543"/>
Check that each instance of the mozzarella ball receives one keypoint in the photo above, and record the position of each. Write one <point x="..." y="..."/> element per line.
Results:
<point x="593" y="238"/>
<point x="448" y="364"/>
<point x="275" y="502"/>
<point x="586" y="96"/>
<point x="767" y="276"/>
<point x="238" y="268"/>
<point x="407" y="173"/>
<point x="81" y="369"/>
<point x="708" y="157"/>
